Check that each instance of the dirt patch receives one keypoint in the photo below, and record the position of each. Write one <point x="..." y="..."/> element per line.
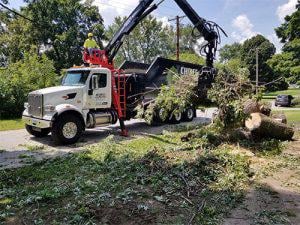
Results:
<point x="275" y="198"/>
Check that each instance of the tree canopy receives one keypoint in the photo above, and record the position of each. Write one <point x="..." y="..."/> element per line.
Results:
<point x="149" y="39"/>
<point x="265" y="51"/>
<point x="228" y="52"/>
<point x="287" y="63"/>
<point x="59" y="29"/>
<point x="18" y="79"/>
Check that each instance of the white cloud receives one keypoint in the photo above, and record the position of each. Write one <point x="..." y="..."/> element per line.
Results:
<point x="286" y="9"/>
<point x="165" y="21"/>
<point x="274" y="39"/>
<point x="109" y="9"/>
<point x="244" y="27"/>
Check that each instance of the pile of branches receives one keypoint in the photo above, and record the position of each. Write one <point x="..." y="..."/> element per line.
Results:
<point x="230" y="90"/>
<point x="180" y="93"/>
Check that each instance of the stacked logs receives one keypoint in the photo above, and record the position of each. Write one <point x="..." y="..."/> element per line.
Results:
<point x="261" y="125"/>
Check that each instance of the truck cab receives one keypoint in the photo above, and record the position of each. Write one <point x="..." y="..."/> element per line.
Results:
<point x="83" y="100"/>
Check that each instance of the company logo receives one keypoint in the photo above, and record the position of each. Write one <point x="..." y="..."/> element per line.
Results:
<point x="185" y="71"/>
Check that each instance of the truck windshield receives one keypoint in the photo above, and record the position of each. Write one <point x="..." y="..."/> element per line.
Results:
<point x="75" y="78"/>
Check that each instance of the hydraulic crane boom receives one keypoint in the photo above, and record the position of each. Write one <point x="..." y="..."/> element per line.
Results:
<point x="137" y="15"/>
<point x="209" y="30"/>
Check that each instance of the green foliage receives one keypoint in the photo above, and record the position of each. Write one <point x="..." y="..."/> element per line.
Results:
<point x="188" y="42"/>
<point x="59" y="29"/>
<point x="289" y="30"/>
<point x="18" y="79"/>
<point x="153" y="178"/>
<point x="265" y="51"/>
<point x="287" y="63"/>
<point x="296" y="101"/>
<point x="173" y="98"/>
<point x="148" y="40"/>
<point x="229" y="91"/>
<point x="228" y="52"/>
<point x="191" y="58"/>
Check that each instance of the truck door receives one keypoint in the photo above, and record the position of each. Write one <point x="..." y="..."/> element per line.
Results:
<point x="100" y="91"/>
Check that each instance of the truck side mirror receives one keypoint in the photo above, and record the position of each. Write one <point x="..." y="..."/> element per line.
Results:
<point x="94" y="82"/>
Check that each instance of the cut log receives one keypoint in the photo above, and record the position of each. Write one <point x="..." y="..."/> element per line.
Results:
<point x="280" y="118"/>
<point x="251" y="106"/>
<point x="262" y="126"/>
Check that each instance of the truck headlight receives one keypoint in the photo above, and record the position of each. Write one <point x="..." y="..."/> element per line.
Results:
<point x="49" y="108"/>
<point x="26" y="105"/>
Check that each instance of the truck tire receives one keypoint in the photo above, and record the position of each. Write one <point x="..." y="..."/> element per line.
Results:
<point x="176" y="118"/>
<point x="158" y="118"/>
<point x="67" y="129"/>
<point x="189" y="114"/>
<point x="43" y="133"/>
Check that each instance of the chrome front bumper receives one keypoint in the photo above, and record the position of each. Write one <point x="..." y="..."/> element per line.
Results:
<point x="36" y="122"/>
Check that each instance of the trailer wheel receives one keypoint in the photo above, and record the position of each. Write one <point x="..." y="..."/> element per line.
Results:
<point x="189" y="114"/>
<point x="176" y="117"/>
<point x="43" y="133"/>
<point x="159" y="115"/>
<point x="67" y="129"/>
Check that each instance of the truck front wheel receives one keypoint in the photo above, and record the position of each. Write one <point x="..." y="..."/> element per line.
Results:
<point x="67" y="129"/>
<point x="43" y="132"/>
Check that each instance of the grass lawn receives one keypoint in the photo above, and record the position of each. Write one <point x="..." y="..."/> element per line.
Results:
<point x="12" y="124"/>
<point x="156" y="179"/>
<point x="294" y="92"/>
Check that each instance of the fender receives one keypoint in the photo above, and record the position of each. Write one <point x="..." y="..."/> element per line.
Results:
<point x="64" y="108"/>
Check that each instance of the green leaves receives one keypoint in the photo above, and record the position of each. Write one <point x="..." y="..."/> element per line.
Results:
<point x="229" y="92"/>
<point x="59" y="30"/>
<point x="287" y="63"/>
<point x="148" y="40"/>
<point x="18" y="79"/>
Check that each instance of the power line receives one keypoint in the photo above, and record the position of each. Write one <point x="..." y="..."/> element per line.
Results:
<point x="16" y="13"/>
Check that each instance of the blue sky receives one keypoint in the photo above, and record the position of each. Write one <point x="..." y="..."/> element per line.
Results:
<point x="241" y="19"/>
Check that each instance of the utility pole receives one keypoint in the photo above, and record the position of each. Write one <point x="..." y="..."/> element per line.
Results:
<point x="177" y="18"/>
<point x="256" y="51"/>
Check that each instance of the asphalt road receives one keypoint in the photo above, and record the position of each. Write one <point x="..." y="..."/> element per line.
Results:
<point x="14" y="145"/>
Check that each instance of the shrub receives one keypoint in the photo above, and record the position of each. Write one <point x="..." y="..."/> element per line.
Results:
<point x="296" y="102"/>
<point x="20" y="78"/>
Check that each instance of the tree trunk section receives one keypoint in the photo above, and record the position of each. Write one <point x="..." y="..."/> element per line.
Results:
<point x="265" y="127"/>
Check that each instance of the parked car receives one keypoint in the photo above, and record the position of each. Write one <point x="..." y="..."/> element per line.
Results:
<point x="283" y="100"/>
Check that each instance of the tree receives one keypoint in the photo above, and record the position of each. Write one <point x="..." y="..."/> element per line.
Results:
<point x="149" y="39"/>
<point x="290" y="29"/>
<point x="265" y="51"/>
<point x="188" y="41"/>
<point x="18" y="79"/>
<point x="228" y="52"/>
<point x="59" y="29"/>
<point x="288" y="62"/>
<point x="191" y="58"/>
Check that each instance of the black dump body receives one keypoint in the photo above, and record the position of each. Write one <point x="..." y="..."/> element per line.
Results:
<point x="144" y="80"/>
